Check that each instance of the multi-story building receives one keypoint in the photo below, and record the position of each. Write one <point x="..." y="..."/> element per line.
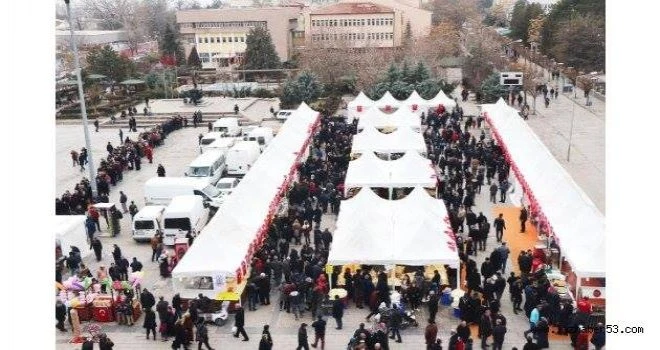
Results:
<point x="220" y="34"/>
<point x="353" y="25"/>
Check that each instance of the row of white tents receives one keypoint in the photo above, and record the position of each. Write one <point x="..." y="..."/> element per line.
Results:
<point x="372" y="230"/>
<point x="361" y="104"/>
<point x="228" y="241"/>
<point x="575" y="221"/>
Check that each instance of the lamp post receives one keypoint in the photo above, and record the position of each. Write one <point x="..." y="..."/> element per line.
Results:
<point x="570" y="135"/>
<point x="83" y="108"/>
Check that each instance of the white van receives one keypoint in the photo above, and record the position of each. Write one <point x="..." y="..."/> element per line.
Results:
<point x="161" y="190"/>
<point x="241" y="157"/>
<point x="210" y="166"/>
<point x="227" y="126"/>
<point x="184" y="214"/>
<point x="147" y="222"/>
<point x="208" y="139"/>
<point x="223" y="144"/>
<point x="263" y="135"/>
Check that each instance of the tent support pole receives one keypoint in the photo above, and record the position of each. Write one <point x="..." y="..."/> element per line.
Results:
<point x="458" y="276"/>
<point x="578" y="285"/>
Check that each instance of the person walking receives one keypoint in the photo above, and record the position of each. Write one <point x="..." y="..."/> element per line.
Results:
<point x="338" y="311"/>
<point x="96" y="125"/>
<point x="523" y="218"/>
<point x="302" y="337"/>
<point x="160" y="170"/>
<point x="265" y="344"/>
<point x="493" y="192"/>
<point x="500" y="226"/>
<point x="239" y="323"/>
<point x="433" y="305"/>
<point x="150" y="322"/>
<point x="504" y="186"/>
<point x="504" y="252"/>
<point x="155" y="244"/>
<point x="319" y="332"/>
<point x="498" y="334"/>
<point x="396" y="324"/>
<point x="202" y="335"/>
<point x="123" y="199"/>
<point x="121" y="137"/>
<point x="133" y="209"/>
<point x="98" y="248"/>
<point x="105" y="343"/>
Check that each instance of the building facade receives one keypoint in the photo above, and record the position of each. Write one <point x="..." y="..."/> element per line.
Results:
<point x="406" y="12"/>
<point x="220" y="34"/>
<point x="352" y="25"/>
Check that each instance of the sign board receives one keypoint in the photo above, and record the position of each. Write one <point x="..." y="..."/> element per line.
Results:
<point x="511" y="78"/>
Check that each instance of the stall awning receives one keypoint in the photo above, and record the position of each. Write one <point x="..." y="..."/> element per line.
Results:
<point x="411" y="170"/>
<point x="563" y="207"/>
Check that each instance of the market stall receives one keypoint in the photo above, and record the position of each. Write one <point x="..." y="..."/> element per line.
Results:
<point x="359" y="106"/>
<point x="557" y="204"/>
<point x="401" y="140"/>
<point x="401" y="118"/>
<point x="223" y="251"/>
<point x="441" y="100"/>
<point x="413" y="231"/>
<point x="388" y="103"/>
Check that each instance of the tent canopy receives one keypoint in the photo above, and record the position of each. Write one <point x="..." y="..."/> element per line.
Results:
<point x="361" y="100"/>
<point x="70" y="231"/>
<point x="442" y="99"/>
<point x="224" y="242"/>
<point x="411" y="170"/>
<point x="575" y="221"/>
<point x="403" y="139"/>
<point x="387" y="101"/>
<point x="409" y="231"/>
<point x="403" y="117"/>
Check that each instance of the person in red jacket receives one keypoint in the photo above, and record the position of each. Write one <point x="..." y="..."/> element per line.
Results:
<point x="149" y="153"/>
<point x="94" y="214"/>
<point x="584" y="306"/>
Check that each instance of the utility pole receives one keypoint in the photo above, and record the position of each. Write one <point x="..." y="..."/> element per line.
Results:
<point x="83" y="108"/>
<point x="570" y="135"/>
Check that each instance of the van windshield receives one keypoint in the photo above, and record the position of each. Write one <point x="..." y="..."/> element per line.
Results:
<point x="261" y="140"/>
<point x="144" y="225"/>
<point x="199" y="171"/>
<point x="182" y="224"/>
<point x="207" y="141"/>
<point x="221" y="129"/>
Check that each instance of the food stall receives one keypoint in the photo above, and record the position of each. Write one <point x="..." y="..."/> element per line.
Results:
<point x="70" y="232"/>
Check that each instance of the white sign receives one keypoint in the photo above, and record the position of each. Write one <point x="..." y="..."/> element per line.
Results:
<point x="511" y="78"/>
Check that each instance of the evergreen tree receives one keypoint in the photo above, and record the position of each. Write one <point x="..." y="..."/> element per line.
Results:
<point x="393" y="74"/>
<point x="491" y="90"/>
<point x="193" y="59"/>
<point x="421" y="73"/>
<point x="170" y="46"/>
<point x="407" y="74"/>
<point x="305" y="88"/>
<point x="407" y="34"/>
<point x="260" y="52"/>
<point x="104" y="60"/>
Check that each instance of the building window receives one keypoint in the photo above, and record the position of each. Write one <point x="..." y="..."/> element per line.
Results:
<point x="200" y="40"/>
<point x="224" y="39"/>
<point x="230" y="39"/>
<point x="217" y="40"/>
<point x="242" y="39"/>
<point x="205" y="57"/>
<point x="362" y="22"/>
<point x="191" y="40"/>
<point x="206" y="40"/>
<point x="212" y="40"/>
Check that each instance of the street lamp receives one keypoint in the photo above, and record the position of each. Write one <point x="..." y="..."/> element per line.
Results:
<point x="83" y="108"/>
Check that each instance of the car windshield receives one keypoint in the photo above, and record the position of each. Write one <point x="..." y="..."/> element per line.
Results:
<point x="144" y="225"/>
<point x="261" y="140"/>
<point x="224" y="185"/>
<point x="199" y="171"/>
<point x="207" y="141"/>
<point x="211" y="191"/>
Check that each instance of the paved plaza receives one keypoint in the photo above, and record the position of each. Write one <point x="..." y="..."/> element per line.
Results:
<point x="179" y="149"/>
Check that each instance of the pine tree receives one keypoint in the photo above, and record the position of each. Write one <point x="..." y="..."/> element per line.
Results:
<point x="407" y="73"/>
<point x="421" y="73"/>
<point x="407" y="34"/>
<point x="260" y="52"/>
<point x="193" y="59"/>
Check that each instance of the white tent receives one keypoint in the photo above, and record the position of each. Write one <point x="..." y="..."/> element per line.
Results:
<point x="415" y="100"/>
<point x="70" y="231"/>
<point x="575" y="221"/>
<point x="411" y="170"/>
<point x="442" y="99"/>
<point x="224" y="243"/>
<point x="401" y="118"/>
<point x="361" y="101"/>
<point x="387" y="101"/>
<point x="409" y="231"/>
<point x="403" y="139"/>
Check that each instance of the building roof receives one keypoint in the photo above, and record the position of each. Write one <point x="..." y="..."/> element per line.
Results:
<point x="352" y="8"/>
<point x="236" y="14"/>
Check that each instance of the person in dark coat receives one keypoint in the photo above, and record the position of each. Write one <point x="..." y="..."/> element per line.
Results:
<point x="88" y="344"/>
<point x="98" y="248"/>
<point x="319" y="332"/>
<point x="265" y="344"/>
<point x="60" y="315"/>
<point x="541" y="331"/>
<point x="164" y="268"/>
<point x="463" y="330"/>
<point x="239" y="323"/>
<point x="147" y="299"/>
<point x="498" y="334"/>
<point x="150" y="322"/>
<point x="598" y="338"/>
<point x="202" y="335"/>
<point x="180" y="338"/>
<point x="302" y="337"/>
<point x="530" y="345"/>
<point x="160" y="170"/>
<point x="338" y="311"/>
<point x="176" y="304"/>
<point x="523" y="219"/>
<point x="105" y="343"/>
<point x="485" y="328"/>
<point x="433" y="305"/>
